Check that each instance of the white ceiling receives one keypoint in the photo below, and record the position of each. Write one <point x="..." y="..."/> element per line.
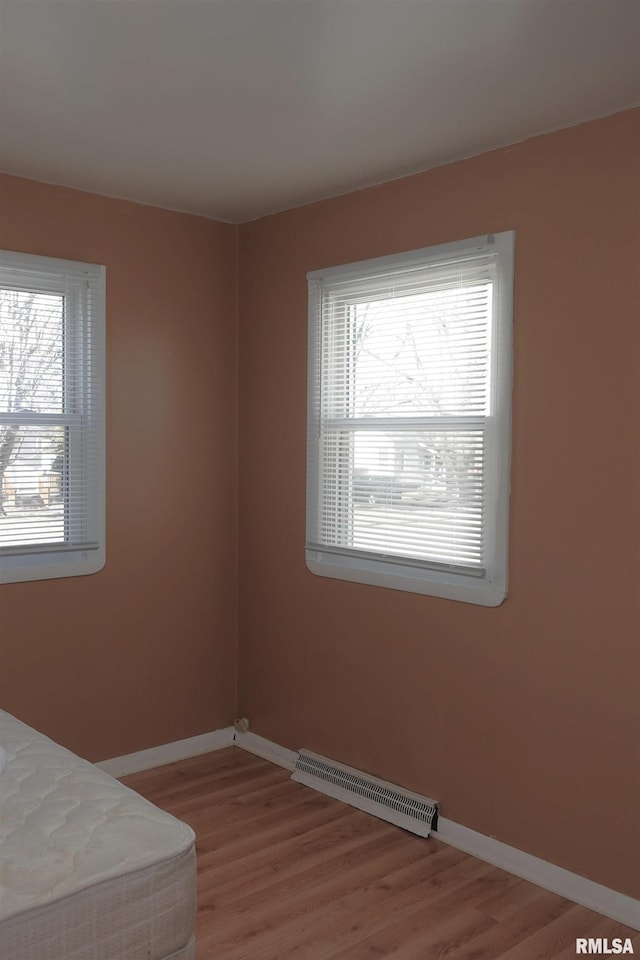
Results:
<point x="238" y="108"/>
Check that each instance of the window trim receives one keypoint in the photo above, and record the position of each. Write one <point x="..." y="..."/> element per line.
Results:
<point x="48" y="561"/>
<point x="402" y="573"/>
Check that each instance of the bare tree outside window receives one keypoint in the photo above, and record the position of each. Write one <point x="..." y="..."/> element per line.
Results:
<point x="31" y="387"/>
<point x="52" y="430"/>
<point x="406" y="363"/>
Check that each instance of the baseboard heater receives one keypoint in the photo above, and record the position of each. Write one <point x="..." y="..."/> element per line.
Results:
<point x="384" y="800"/>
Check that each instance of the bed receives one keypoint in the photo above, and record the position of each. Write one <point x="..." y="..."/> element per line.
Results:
<point x="89" y="870"/>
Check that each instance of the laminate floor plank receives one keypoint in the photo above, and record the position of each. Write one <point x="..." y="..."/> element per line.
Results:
<point x="232" y="825"/>
<point x="515" y="929"/>
<point x="381" y="864"/>
<point x="231" y="817"/>
<point x="516" y="895"/>
<point x="418" y="939"/>
<point x="270" y="797"/>
<point x="179" y="795"/>
<point x="312" y="848"/>
<point x="249" y="891"/>
<point x="191" y="770"/>
<point x="340" y="917"/>
<point x="286" y="873"/>
<point x="408" y="919"/>
<point x="310" y="889"/>
<point x="216" y="851"/>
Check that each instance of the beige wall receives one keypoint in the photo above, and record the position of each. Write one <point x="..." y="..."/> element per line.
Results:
<point x="143" y="652"/>
<point x="522" y="720"/>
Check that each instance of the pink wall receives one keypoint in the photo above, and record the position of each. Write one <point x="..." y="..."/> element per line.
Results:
<point x="522" y="720"/>
<point x="143" y="652"/>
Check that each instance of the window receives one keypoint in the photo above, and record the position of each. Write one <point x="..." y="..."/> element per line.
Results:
<point x="409" y="420"/>
<point x="51" y="417"/>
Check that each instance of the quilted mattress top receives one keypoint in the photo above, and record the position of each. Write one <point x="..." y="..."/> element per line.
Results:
<point x="66" y="825"/>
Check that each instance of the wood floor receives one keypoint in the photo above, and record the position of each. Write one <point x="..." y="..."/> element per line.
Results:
<point x="285" y="873"/>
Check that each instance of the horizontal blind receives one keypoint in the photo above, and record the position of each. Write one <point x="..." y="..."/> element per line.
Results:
<point x="401" y="394"/>
<point x="51" y="404"/>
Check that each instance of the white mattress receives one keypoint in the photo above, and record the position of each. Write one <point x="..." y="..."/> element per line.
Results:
<point x="89" y="870"/>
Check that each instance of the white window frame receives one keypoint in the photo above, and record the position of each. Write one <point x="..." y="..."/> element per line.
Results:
<point x="329" y="560"/>
<point x="83" y="287"/>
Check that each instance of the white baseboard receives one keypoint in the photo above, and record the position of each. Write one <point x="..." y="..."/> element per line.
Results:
<point x="168" y="753"/>
<point x="267" y="749"/>
<point x="579" y="889"/>
<point x="587" y="893"/>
